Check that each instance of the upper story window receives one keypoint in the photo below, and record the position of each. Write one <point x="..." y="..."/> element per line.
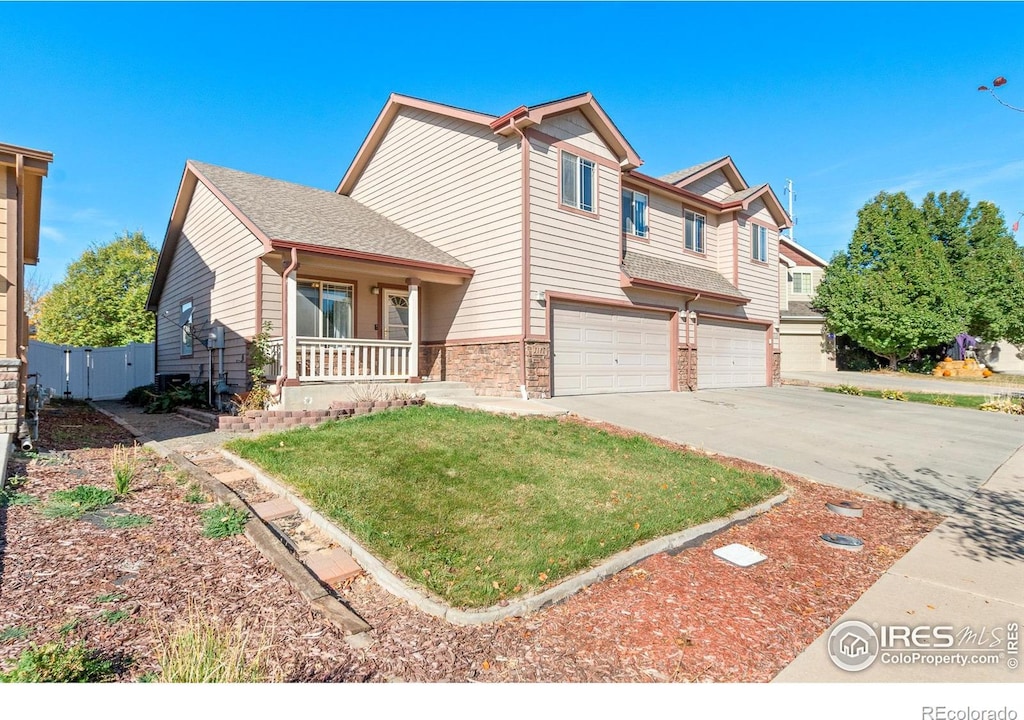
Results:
<point x="185" y="320"/>
<point x="759" y="242"/>
<point x="323" y="310"/>
<point x="693" y="231"/>
<point x="634" y="213"/>
<point x="801" y="283"/>
<point x="578" y="182"/>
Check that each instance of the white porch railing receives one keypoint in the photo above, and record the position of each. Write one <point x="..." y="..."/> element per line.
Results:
<point x="329" y="359"/>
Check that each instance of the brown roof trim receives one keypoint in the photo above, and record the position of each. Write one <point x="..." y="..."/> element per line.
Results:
<point x="41" y="158"/>
<point x="669" y="188"/>
<point x="726" y="163"/>
<point x="372" y="257"/>
<point x="190" y="177"/>
<point x="627" y="281"/>
<point x="249" y="224"/>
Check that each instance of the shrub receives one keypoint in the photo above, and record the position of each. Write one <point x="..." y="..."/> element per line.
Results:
<point x="894" y="395"/>
<point x="201" y="650"/>
<point x="943" y="401"/>
<point x="77" y="501"/>
<point x="124" y="464"/>
<point x="59" y="663"/>
<point x="849" y="390"/>
<point x="181" y="396"/>
<point x="261" y="354"/>
<point x="1003" y="405"/>
<point x="140" y="396"/>
<point x="223" y="521"/>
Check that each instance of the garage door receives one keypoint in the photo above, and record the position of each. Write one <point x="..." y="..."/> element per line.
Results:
<point x="730" y="354"/>
<point x="604" y="350"/>
<point x="802" y="352"/>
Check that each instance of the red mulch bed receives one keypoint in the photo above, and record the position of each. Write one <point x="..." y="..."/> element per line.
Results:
<point x="684" y="617"/>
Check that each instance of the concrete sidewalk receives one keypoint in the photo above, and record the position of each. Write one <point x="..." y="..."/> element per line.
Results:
<point x="968" y="574"/>
<point x="908" y="382"/>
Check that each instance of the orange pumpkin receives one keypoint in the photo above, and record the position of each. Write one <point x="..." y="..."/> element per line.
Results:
<point x="946" y="373"/>
<point x="986" y="373"/>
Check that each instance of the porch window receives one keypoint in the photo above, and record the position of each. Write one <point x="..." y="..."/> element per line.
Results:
<point x="185" y="321"/>
<point x="324" y="310"/>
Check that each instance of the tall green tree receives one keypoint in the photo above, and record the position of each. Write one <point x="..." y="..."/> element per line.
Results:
<point x="102" y="300"/>
<point x="893" y="290"/>
<point x="985" y="259"/>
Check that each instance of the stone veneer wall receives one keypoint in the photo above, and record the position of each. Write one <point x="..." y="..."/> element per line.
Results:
<point x="10" y="402"/>
<point x="490" y="368"/>
<point x="687" y="368"/>
<point x="776" y="368"/>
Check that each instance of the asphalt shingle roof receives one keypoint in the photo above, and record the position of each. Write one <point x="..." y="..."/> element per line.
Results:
<point x="299" y="214"/>
<point x="644" y="267"/>
<point x="741" y="195"/>
<point x="799" y="309"/>
<point x="678" y="175"/>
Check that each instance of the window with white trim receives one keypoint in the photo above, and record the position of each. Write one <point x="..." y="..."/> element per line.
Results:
<point x="579" y="177"/>
<point x="634" y="212"/>
<point x="801" y="283"/>
<point x="693" y="231"/>
<point x="759" y="242"/>
<point x="185" y="321"/>
<point x="323" y="309"/>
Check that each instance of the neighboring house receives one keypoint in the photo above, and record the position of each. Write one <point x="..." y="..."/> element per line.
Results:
<point x="21" y="187"/>
<point x="523" y="254"/>
<point x="804" y="340"/>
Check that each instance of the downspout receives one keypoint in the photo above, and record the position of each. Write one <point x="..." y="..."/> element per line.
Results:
<point x="525" y="213"/>
<point x="283" y="374"/>
<point x="689" y="350"/>
<point x="20" y="332"/>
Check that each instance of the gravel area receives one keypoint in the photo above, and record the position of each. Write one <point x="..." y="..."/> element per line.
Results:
<point x="682" y="617"/>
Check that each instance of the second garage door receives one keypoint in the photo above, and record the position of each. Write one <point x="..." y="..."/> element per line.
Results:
<point x="606" y="350"/>
<point x="730" y="354"/>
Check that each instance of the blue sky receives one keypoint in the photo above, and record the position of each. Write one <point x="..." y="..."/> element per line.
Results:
<point x="844" y="99"/>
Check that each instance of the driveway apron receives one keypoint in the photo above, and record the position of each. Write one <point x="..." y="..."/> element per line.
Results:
<point x="927" y="457"/>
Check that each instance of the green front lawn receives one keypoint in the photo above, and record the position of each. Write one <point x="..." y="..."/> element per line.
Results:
<point x="480" y="507"/>
<point x="947" y="400"/>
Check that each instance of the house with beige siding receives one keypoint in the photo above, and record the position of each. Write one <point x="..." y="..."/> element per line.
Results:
<point x="805" y="341"/>
<point x="525" y="254"/>
<point x="21" y="187"/>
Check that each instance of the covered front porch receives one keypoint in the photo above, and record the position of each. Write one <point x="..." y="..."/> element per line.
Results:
<point x="342" y="319"/>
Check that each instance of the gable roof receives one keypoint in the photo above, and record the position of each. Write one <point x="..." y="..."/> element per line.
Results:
<point x="520" y="118"/>
<point x="799" y="252"/>
<point x="284" y="215"/>
<point x="664" y="274"/>
<point x="690" y="175"/>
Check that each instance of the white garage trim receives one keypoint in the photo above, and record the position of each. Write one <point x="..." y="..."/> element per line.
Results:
<point x="732" y="352"/>
<point x="605" y="348"/>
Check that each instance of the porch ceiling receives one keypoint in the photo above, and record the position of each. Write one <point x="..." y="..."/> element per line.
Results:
<point x="327" y="266"/>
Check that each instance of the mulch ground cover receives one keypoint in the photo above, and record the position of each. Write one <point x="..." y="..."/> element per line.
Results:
<point x="682" y="617"/>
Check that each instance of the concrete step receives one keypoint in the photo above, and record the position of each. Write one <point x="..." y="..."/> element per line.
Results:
<point x="233" y="476"/>
<point x="333" y="566"/>
<point x="275" y="509"/>
<point x="444" y="389"/>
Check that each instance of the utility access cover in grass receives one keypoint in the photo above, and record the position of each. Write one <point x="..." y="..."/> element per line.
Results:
<point x="479" y="507"/>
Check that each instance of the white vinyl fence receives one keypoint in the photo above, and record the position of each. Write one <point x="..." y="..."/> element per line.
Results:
<point x="91" y="373"/>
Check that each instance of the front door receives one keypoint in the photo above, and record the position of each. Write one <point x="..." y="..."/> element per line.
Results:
<point x="396" y="314"/>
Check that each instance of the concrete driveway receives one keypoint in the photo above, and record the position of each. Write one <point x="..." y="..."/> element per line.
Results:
<point x="925" y="456"/>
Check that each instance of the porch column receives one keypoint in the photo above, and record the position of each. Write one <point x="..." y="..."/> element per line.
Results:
<point x="414" y="329"/>
<point x="290" y="321"/>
